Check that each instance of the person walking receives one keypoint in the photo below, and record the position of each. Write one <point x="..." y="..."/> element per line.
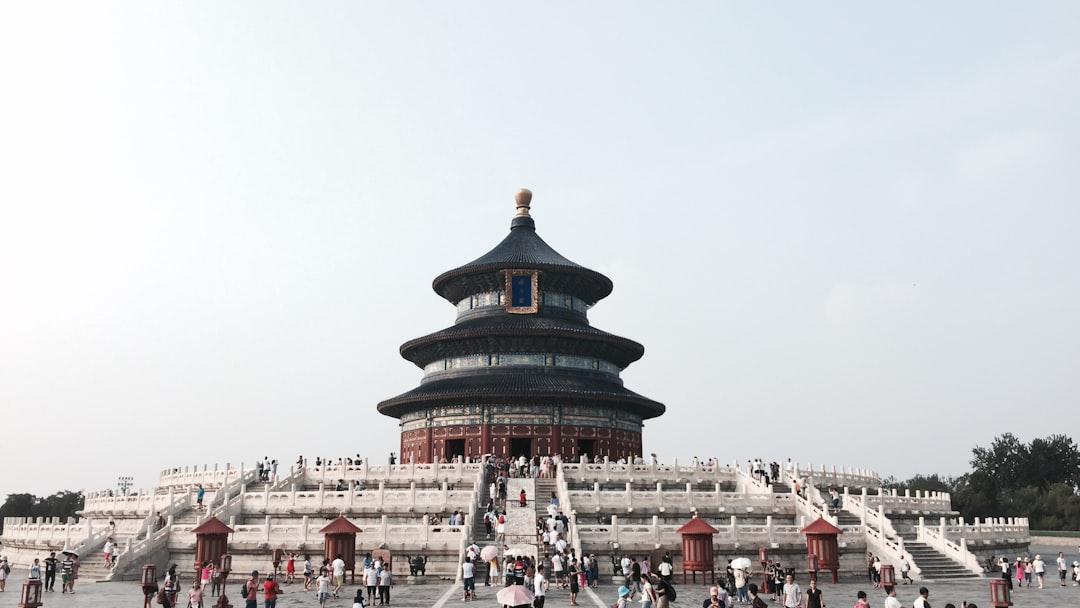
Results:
<point x="792" y="596"/>
<point x="921" y="601"/>
<point x="195" y="595"/>
<point x="1061" y="567"/>
<point x="540" y="587"/>
<point x="813" y="596"/>
<point x="1038" y="566"/>
<point x="50" y="571"/>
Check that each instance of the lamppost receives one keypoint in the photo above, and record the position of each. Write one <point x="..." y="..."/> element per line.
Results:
<point x="125" y="482"/>
<point x="226" y="567"/>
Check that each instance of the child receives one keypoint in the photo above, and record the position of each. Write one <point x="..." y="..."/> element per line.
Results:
<point x="358" y="601"/>
<point x="322" y="587"/>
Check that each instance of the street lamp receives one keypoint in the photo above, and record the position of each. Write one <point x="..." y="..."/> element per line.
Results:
<point x="125" y="482"/>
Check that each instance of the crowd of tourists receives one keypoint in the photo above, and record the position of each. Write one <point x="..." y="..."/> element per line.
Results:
<point x="67" y="565"/>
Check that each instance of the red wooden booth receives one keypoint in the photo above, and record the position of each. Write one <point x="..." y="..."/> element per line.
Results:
<point x="211" y="542"/>
<point x="821" y="542"/>
<point x="341" y="540"/>
<point x="697" y="550"/>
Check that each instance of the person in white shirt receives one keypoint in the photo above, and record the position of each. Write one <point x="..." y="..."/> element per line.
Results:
<point x="1039" y="566"/>
<point x="322" y="587"/>
<point x="540" y="587"/>
<point x="891" y="601"/>
<point x="792" y="593"/>
<point x="1061" y="568"/>
<point x="920" y="602"/>
<point x="468" y="580"/>
<point x="339" y="573"/>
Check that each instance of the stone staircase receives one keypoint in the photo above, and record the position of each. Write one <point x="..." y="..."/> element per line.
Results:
<point x="934" y="565"/>
<point x="847" y="518"/>
<point x="544" y="488"/>
<point x="478" y="534"/>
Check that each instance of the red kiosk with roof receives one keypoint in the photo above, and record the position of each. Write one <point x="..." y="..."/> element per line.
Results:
<point x="821" y="542"/>
<point x="341" y="540"/>
<point x="697" y="550"/>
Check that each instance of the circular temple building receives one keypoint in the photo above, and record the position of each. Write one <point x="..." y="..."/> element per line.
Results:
<point x="521" y="371"/>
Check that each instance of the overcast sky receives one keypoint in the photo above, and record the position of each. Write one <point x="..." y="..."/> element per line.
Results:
<point x="844" y="233"/>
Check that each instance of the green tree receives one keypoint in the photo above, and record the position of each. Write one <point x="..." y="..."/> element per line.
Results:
<point x="1055" y="459"/>
<point x="17" y="505"/>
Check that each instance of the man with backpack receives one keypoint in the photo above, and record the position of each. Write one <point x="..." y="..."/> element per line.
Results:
<point x="250" y="590"/>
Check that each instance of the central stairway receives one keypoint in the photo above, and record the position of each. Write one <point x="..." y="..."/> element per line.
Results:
<point x="934" y="565"/>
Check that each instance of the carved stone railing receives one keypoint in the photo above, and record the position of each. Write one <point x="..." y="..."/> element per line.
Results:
<point x="209" y="477"/>
<point x="137" y="552"/>
<point x="892" y="501"/>
<point x="381" y="499"/>
<point x="423" y="474"/>
<point x="730" y="533"/>
<point x="956" y="551"/>
<point x="663" y="500"/>
<point x="650" y="473"/>
<point x="834" y="477"/>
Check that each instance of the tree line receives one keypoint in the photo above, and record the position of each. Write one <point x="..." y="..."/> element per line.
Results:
<point x="1039" y="480"/>
<point x="62" y="504"/>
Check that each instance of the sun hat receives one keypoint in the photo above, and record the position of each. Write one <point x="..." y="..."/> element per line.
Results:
<point x="624" y="590"/>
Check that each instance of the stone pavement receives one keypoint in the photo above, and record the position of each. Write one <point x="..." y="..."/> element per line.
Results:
<point x="439" y="594"/>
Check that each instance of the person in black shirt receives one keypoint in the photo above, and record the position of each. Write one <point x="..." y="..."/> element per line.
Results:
<point x="813" y="596"/>
<point x="50" y="571"/>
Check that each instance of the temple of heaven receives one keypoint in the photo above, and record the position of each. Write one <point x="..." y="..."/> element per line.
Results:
<point x="521" y="371"/>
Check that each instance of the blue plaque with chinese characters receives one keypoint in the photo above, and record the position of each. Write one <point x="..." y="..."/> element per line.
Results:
<point x="521" y="291"/>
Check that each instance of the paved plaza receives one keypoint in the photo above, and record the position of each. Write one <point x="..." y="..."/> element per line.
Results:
<point x="445" y="593"/>
<point x="438" y="593"/>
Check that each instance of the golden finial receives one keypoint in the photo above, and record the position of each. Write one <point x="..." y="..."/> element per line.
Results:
<point x="522" y="198"/>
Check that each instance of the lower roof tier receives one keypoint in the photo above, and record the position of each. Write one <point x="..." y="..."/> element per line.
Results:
<point x="517" y="387"/>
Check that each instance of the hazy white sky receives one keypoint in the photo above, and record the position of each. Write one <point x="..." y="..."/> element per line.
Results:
<point x="844" y="233"/>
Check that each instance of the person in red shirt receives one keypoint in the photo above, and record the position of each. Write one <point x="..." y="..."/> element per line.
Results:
<point x="270" y="591"/>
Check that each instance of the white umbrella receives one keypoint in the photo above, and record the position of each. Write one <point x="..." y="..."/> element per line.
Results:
<point x="514" y="595"/>
<point x="741" y="563"/>
<point x="516" y="552"/>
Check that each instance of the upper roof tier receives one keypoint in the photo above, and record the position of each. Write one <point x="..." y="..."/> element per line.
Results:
<point x="522" y="249"/>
